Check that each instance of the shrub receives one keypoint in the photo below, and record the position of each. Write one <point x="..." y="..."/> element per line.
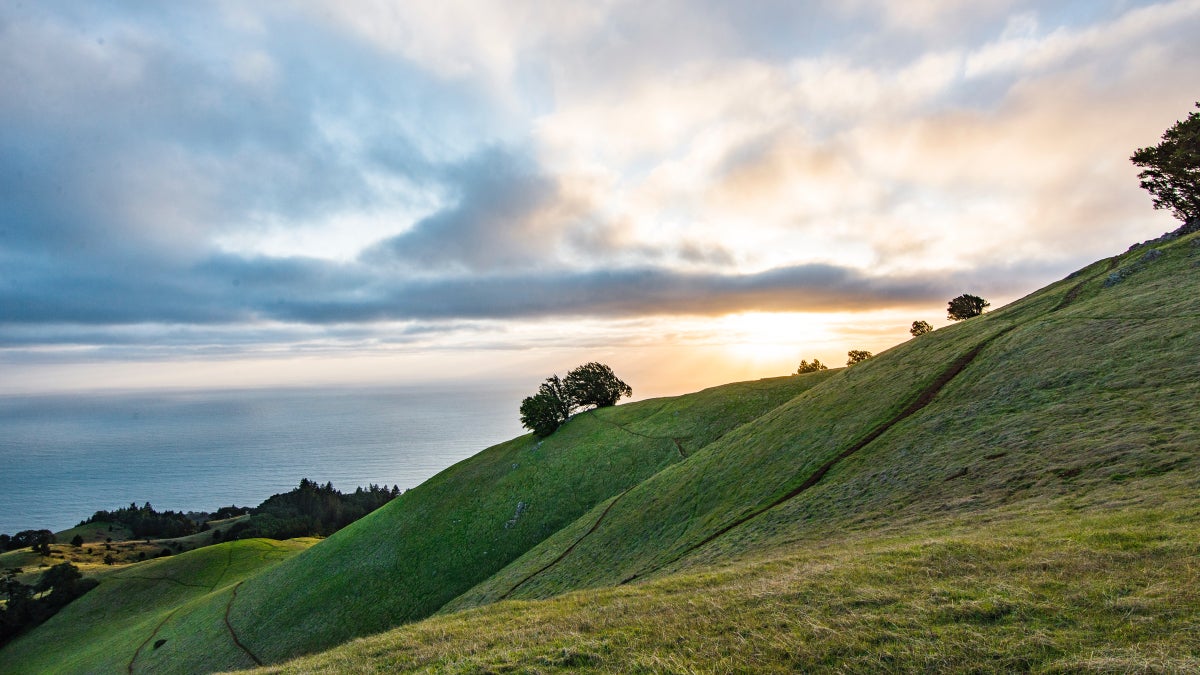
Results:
<point x="857" y="356"/>
<point x="920" y="328"/>
<point x="806" y="367"/>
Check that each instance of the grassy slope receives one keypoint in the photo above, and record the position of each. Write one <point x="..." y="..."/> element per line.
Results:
<point x="1060" y="453"/>
<point x="1044" y="591"/>
<point x="104" y="630"/>
<point x="89" y="557"/>
<point x="1065" y="451"/>
<point x="406" y="560"/>
<point x="1076" y="398"/>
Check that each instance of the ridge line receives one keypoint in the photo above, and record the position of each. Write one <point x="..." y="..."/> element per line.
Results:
<point x="923" y="399"/>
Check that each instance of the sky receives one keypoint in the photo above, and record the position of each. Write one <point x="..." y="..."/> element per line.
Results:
<point x="231" y="194"/>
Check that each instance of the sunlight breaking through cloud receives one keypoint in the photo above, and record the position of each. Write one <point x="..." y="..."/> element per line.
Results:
<point x="186" y="175"/>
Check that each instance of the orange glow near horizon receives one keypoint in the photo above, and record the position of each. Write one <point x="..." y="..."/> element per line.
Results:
<point x="658" y="357"/>
<point x="760" y="338"/>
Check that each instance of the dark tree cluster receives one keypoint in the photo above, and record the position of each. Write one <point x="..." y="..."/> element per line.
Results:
<point x="227" y="512"/>
<point x="28" y="606"/>
<point x="309" y="510"/>
<point x="592" y="384"/>
<point x="144" y="522"/>
<point x="1171" y="170"/>
<point x="806" y="367"/>
<point x="857" y="356"/>
<point x="37" y="541"/>
<point x="966" y="306"/>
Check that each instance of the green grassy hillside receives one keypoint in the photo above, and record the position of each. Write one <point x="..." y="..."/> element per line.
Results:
<point x="115" y="626"/>
<point x="99" y="542"/>
<point x="1013" y="492"/>
<point x="432" y="543"/>
<point x="1051" y="590"/>
<point x="1043" y="398"/>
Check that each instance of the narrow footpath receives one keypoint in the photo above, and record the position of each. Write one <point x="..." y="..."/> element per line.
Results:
<point x="923" y="399"/>
<point x="566" y="552"/>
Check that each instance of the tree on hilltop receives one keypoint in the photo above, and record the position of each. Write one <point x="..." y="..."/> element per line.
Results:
<point x="965" y="306"/>
<point x="1171" y="170"/>
<point x="28" y="606"/>
<point x="545" y="411"/>
<point x="920" y="328"/>
<point x="815" y="366"/>
<point x="595" y="384"/>
<point x="592" y="384"/>
<point x="858" y="356"/>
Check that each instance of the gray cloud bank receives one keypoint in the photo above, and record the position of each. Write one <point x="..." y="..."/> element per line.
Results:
<point x="159" y="163"/>
<point x="231" y="289"/>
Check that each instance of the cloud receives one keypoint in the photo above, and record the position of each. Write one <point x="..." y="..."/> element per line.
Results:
<point x="506" y="214"/>
<point x="121" y="139"/>
<point x="229" y="290"/>
<point x="248" y="175"/>
<point x="1022" y="48"/>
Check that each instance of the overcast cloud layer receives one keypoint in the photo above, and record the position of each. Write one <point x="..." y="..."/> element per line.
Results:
<point x="249" y="174"/>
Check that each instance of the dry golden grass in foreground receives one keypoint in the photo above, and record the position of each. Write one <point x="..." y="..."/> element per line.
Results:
<point x="1059" y="592"/>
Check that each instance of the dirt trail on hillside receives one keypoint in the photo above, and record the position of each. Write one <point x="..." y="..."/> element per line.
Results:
<point x="622" y="427"/>
<point x="923" y="399"/>
<point x="568" y="550"/>
<point x="211" y="588"/>
<point x="137" y="652"/>
<point x="232" y="633"/>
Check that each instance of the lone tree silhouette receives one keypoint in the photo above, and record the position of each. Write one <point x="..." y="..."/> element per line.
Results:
<point x="920" y="328"/>
<point x="545" y="411"/>
<point x="858" y="356"/>
<point x="815" y="366"/>
<point x="592" y="384"/>
<point x="965" y="306"/>
<point x="595" y="384"/>
<point x="1171" y="170"/>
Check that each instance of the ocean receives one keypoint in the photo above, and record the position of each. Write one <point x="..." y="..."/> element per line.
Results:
<point x="63" y="457"/>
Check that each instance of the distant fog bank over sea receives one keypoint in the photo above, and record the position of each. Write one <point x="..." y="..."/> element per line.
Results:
<point x="66" y="456"/>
